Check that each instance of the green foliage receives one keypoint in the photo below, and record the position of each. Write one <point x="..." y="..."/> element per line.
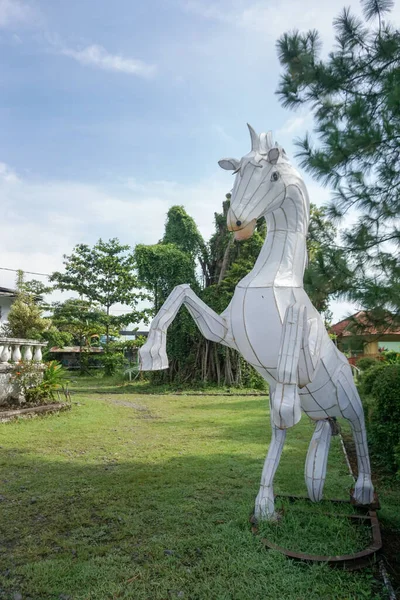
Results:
<point x="25" y="317"/>
<point x="55" y="378"/>
<point x="161" y="267"/>
<point x="354" y="95"/>
<point x="81" y="320"/>
<point x="366" y="363"/>
<point x="384" y="416"/>
<point x="369" y="376"/>
<point x="391" y="357"/>
<point x="328" y="274"/>
<point x="38" y="385"/>
<point x="112" y="361"/>
<point x="104" y="275"/>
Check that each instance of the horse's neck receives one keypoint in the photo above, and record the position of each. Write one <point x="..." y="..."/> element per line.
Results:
<point x="283" y="257"/>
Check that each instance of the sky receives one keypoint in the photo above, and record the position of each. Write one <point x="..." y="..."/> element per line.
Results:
<point x="111" y="112"/>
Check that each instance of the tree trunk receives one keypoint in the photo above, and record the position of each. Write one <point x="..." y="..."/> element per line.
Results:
<point x="225" y="261"/>
<point x="80" y="352"/>
<point x="108" y="327"/>
<point x="217" y="366"/>
<point x="228" y="368"/>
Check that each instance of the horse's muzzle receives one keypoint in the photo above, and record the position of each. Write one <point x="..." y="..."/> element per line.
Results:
<point x="244" y="230"/>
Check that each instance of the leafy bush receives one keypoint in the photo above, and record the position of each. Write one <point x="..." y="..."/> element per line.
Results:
<point x="384" y="414"/>
<point x="54" y="378"/>
<point x="391" y="357"/>
<point x="27" y="375"/>
<point x="36" y="385"/>
<point x="112" y="362"/>
<point x="369" y="377"/>
<point x="366" y="362"/>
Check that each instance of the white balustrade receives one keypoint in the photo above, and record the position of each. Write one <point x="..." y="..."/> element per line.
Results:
<point x="37" y="357"/>
<point x="16" y="353"/>
<point x="10" y="350"/>
<point x="28" y="353"/>
<point x="6" y="354"/>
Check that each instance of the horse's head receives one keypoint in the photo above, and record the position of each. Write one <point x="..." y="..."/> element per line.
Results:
<point x="260" y="184"/>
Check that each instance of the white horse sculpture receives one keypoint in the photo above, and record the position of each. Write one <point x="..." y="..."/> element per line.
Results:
<point x="273" y="324"/>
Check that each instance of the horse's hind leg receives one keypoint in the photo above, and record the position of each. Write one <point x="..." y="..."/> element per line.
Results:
<point x="317" y="458"/>
<point x="265" y="504"/>
<point x="352" y="410"/>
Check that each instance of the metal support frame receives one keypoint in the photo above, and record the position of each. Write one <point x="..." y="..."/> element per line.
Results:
<point x="350" y="562"/>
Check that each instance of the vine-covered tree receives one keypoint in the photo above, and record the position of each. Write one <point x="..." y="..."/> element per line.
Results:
<point x="104" y="275"/>
<point x="354" y="95"/>
<point x="181" y="230"/>
<point x="163" y="266"/>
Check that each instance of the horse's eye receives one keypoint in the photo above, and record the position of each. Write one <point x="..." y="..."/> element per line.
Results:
<point x="275" y="176"/>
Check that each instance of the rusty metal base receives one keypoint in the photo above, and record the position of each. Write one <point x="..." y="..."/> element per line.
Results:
<point x="350" y="562"/>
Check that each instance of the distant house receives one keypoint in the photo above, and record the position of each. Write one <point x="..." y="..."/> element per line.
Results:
<point x="68" y="356"/>
<point x="365" y="339"/>
<point x="130" y="334"/>
<point x="7" y="297"/>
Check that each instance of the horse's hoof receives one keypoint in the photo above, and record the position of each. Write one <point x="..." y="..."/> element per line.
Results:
<point x="265" y="507"/>
<point x="363" y="490"/>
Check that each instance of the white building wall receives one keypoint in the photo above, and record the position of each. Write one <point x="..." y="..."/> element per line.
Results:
<point x="5" y="305"/>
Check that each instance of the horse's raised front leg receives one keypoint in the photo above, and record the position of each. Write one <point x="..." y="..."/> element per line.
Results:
<point x="153" y="354"/>
<point x="265" y="504"/>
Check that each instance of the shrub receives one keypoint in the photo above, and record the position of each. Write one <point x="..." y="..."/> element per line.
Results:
<point x="112" y="362"/>
<point x="369" y="377"/>
<point x="54" y="378"/>
<point x="384" y="415"/>
<point x="366" y="362"/>
<point x="36" y="385"/>
<point x="391" y="357"/>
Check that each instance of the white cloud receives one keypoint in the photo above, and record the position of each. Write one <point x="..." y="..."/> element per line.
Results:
<point x="7" y="175"/>
<point x="274" y="17"/>
<point x="15" y="12"/>
<point x="98" y="57"/>
<point x="297" y="124"/>
<point x="42" y="220"/>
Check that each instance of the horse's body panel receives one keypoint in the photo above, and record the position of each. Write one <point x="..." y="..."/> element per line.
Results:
<point x="253" y="324"/>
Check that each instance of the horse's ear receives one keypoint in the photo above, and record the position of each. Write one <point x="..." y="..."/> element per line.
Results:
<point x="229" y="164"/>
<point x="273" y="156"/>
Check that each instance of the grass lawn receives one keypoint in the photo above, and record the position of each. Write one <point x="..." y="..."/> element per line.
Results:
<point x="146" y="497"/>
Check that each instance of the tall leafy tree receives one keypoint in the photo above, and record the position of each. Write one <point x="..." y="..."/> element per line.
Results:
<point x="354" y="96"/>
<point x="104" y="275"/>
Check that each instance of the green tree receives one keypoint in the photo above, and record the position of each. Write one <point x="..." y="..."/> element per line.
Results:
<point x="104" y="275"/>
<point x="80" y="319"/>
<point x="25" y="317"/>
<point x="328" y="274"/>
<point x="182" y="231"/>
<point x="354" y="95"/>
<point x="161" y="267"/>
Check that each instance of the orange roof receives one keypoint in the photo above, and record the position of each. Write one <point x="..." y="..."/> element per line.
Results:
<point x="349" y="326"/>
